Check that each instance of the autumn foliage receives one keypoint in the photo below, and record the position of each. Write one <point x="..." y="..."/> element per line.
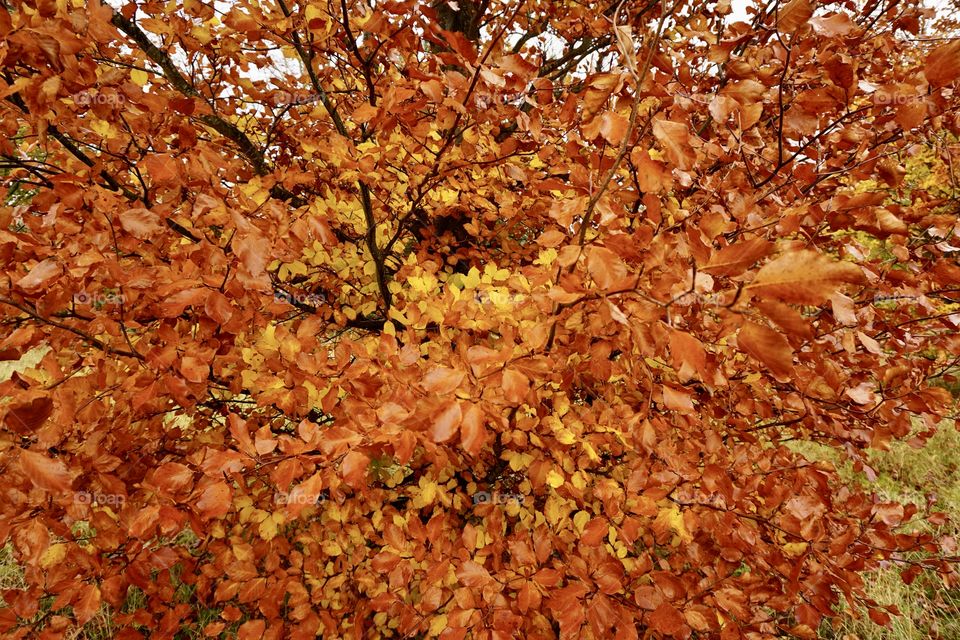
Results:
<point x="474" y="319"/>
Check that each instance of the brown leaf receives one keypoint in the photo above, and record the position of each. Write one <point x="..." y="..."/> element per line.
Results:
<point x="215" y="500"/>
<point x="666" y="619"/>
<point x="442" y="380"/>
<point x="41" y="275"/>
<point x="86" y="603"/>
<point x="767" y="346"/>
<point x="218" y="308"/>
<point x="141" y="223"/>
<point x="446" y="422"/>
<point x="942" y="65"/>
<point x="605" y="267"/>
<point x="793" y="15"/>
<point x="27" y="417"/>
<point x="354" y="468"/>
<point x="805" y="277"/>
<point x="675" y="139"/>
<point x="734" y="259"/>
<point x="515" y="386"/>
<point x="473" y="432"/>
<point x="837" y="24"/>
<point x="45" y="472"/>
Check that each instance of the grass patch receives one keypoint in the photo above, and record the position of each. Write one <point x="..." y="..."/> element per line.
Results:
<point x="907" y="475"/>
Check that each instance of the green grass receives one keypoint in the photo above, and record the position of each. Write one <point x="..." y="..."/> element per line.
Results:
<point x="930" y="609"/>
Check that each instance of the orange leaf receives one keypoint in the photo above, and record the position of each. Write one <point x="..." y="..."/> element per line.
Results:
<point x="214" y="501"/>
<point x="40" y="276"/>
<point x="473" y="433"/>
<point x="86" y="603"/>
<point x="736" y="258"/>
<point x="445" y="423"/>
<point x="140" y="223"/>
<point x="252" y="630"/>
<point x="354" y="468"/>
<point x="687" y="351"/>
<point x="613" y="127"/>
<point x="769" y="347"/>
<point x="794" y="15"/>
<point x="674" y="137"/>
<point x="27" y="417"/>
<point x="172" y="476"/>
<point x="472" y="574"/>
<point x="942" y="66"/>
<point x="515" y="386"/>
<point x="218" y="308"/>
<point x="336" y="440"/>
<point x="806" y="277"/>
<point x="605" y="267"/>
<point x="666" y="619"/>
<point x="254" y="252"/>
<point x="442" y="380"/>
<point x="44" y="472"/>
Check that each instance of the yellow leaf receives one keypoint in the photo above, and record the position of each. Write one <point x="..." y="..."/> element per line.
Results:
<point x="555" y="479"/>
<point x="428" y="493"/>
<point x="268" y="529"/>
<point x="54" y="554"/>
<point x="553" y="509"/>
<point x="794" y="549"/>
<point x="202" y="34"/>
<point x="520" y="461"/>
<point x="591" y="452"/>
<point x="331" y="548"/>
<point x="139" y="77"/>
<point x="472" y="279"/>
<point x="580" y="520"/>
<point x="547" y="256"/>
<point x="670" y="517"/>
<point x="579" y="480"/>
<point x="438" y="625"/>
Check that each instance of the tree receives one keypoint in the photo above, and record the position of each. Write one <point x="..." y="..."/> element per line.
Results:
<point x="469" y="318"/>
